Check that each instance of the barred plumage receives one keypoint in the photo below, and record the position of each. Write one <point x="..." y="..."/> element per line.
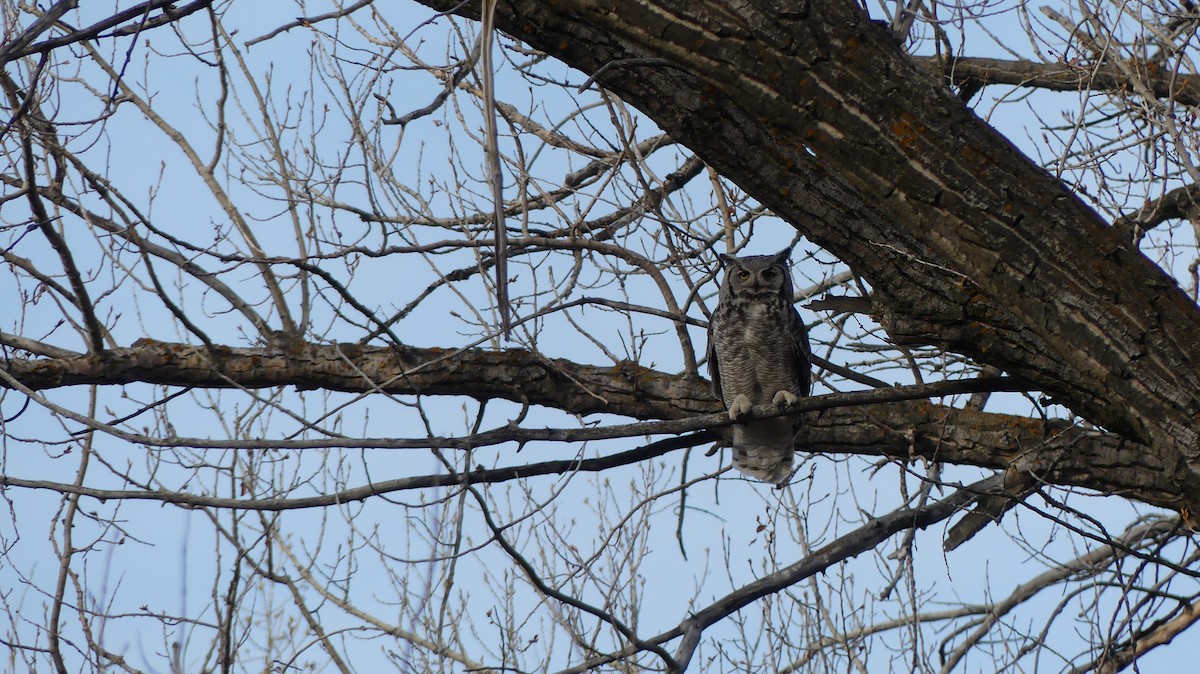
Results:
<point x="758" y="352"/>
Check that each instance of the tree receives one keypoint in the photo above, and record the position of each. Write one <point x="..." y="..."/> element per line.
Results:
<point x="261" y="305"/>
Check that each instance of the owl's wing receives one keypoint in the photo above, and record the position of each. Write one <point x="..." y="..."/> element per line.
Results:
<point x="801" y="352"/>
<point x="714" y="374"/>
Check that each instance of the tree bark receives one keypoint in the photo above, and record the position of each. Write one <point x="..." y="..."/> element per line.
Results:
<point x="814" y="111"/>
<point x="1055" y="452"/>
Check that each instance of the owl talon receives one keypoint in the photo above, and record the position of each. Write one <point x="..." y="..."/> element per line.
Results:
<point x="740" y="408"/>
<point x="784" y="400"/>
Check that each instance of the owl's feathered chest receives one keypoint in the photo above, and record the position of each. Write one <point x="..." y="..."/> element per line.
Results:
<point x="755" y="350"/>
<point x="753" y="323"/>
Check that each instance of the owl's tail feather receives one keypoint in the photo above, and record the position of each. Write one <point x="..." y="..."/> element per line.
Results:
<point x="765" y="449"/>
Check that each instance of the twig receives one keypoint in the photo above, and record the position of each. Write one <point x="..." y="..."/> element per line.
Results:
<point x="309" y="21"/>
<point x="480" y="476"/>
<point x="866" y="537"/>
<point x="486" y="32"/>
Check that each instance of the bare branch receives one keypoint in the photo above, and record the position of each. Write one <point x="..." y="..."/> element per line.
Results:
<point x="962" y="71"/>
<point x="841" y="549"/>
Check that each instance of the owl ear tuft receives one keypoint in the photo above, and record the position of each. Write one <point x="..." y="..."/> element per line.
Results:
<point x="725" y="259"/>
<point x="784" y="256"/>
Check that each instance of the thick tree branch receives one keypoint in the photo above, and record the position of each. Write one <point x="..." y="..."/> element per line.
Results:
<point x="518" y="375"/>
<point x="877" y="422"/>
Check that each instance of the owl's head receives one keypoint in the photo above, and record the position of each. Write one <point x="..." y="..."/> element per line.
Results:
<point x="758" y="275"/>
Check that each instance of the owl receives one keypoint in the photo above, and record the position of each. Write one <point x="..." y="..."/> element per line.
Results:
<point x="758" y="352"/>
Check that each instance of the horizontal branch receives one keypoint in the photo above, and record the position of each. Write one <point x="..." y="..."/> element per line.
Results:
<point x="521" y="435"/>
<point x="1165" y="84"/>
<point x="880" y="422"/>
<point x="519" y="375"/>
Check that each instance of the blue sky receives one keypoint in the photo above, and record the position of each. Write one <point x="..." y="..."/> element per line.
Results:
<point x="150" y="559"/>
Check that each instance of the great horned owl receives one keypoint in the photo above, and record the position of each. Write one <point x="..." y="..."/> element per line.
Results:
<point x="758" y="352"/>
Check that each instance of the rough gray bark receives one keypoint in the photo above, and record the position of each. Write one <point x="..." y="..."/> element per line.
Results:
<point x="813" y="110"/>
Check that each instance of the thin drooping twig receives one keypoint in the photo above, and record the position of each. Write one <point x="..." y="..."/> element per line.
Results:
<point x="495" y="178"/>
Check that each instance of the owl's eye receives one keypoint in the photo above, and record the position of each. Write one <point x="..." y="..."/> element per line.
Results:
<point x="770" y="273"/>
<point x="743" y="274"/>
